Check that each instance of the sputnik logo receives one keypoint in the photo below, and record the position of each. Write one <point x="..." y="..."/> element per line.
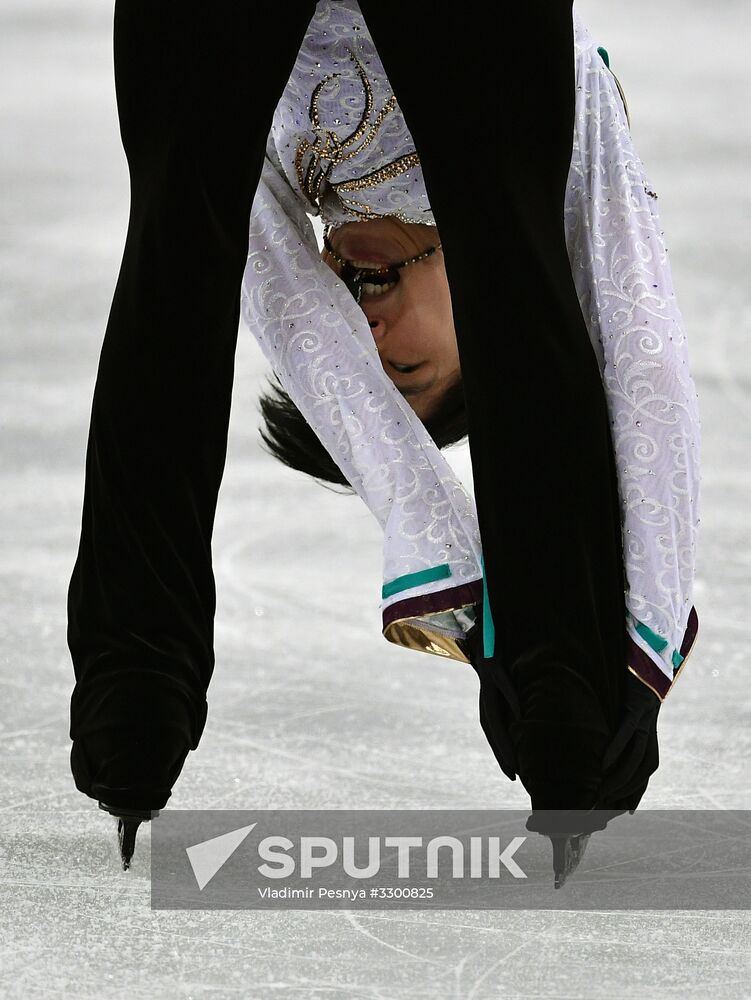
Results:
<point x="208" y="857"/>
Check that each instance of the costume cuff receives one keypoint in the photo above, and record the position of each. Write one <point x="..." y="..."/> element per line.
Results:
<point x="649" y="658"/>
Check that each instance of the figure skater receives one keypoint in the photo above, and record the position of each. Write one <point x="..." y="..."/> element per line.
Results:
<point x="579" y="671"/>
<point x="354" y="385"/>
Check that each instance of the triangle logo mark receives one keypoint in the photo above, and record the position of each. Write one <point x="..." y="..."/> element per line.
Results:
<point x="208" y="857"/>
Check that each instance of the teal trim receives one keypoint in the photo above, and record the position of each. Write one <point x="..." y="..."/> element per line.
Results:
<point x="411" y="580"/>
<point x="677" y="659"/>
<point x="488" y="627"/>
<point x="655" y="641"/>
<point x="605" y="57"/>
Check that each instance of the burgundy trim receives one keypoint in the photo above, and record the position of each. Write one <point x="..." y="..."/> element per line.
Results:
<point x="431" y="604"/>
<point x="642" y="664"/>
<point x="646" y="668"/>
<point x="692" y="627"/>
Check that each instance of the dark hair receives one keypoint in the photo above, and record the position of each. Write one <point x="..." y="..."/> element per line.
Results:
<point x="290" y="438"/>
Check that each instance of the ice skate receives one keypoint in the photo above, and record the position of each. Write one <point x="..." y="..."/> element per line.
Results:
<point x="569" y="831"/>
<point x="567" y="853"/>
<point x="128" y="821"/>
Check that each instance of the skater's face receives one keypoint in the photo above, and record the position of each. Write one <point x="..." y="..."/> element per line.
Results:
<point x="412" y="322"/>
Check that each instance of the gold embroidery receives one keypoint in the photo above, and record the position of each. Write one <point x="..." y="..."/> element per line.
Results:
<point x="328" y="150"/>
<point x="377" y="177"/>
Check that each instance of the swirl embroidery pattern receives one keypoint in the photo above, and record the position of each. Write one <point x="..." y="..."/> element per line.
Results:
<point x="319" y="343"/>
<point x="623" y="278"/>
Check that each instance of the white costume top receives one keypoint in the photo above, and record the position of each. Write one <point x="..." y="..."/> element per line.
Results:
<point x="339" y="146"/>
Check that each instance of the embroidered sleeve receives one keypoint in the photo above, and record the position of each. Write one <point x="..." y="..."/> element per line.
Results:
<point x="623" y="278"/>
<point x="319" y="343"/>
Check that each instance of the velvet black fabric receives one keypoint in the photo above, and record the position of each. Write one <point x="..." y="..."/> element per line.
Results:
<point x="545" y="724"/>
<point x="196" y="88"/>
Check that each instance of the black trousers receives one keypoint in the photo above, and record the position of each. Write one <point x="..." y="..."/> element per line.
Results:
<point x="492" y="120"/>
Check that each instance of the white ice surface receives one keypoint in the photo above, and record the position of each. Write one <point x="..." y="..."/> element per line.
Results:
<point x="300" y="717"/>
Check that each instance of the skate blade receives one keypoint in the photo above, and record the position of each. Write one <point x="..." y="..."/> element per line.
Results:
<point x="126" y="839"/>
<point x="567" y="853"/>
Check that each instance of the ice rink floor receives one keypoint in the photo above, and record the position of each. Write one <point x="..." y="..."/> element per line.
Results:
<point x="314" y="709"/>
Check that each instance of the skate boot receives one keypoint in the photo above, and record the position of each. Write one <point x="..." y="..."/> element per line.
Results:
<point x="569" y="831"/>
<point x="128" y="821"/>
<point x="567" y="853"/>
